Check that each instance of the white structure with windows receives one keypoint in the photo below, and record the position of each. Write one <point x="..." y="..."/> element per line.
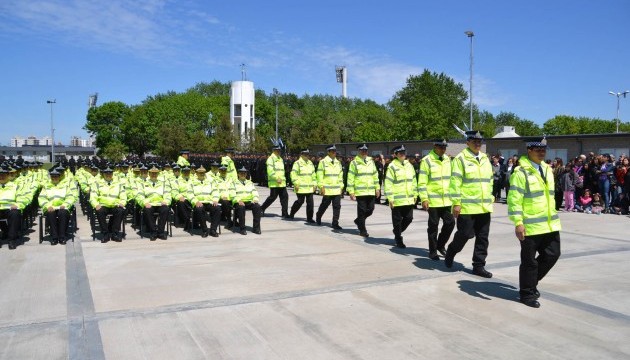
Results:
<point x="242" y="101"/>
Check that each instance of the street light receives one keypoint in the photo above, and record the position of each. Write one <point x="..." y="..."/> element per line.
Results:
<point x="470" y="34"/>
<point x="618" y="95"/>
<point x="52" y="129"/>
<point x="275" y="92"/>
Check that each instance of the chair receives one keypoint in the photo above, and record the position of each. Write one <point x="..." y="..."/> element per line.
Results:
<point x="44" y="227"/>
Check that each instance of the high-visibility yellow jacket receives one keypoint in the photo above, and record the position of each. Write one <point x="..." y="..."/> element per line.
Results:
<point x="362" y="177"/>
<point x="471" y="183"/>
<point x="225" y="187"/>
<point x="153" y="193"/>
<point x="106" y="194"/>
<point x="434" y="180"/>
<point x="56" y="196"/>
<point x="182" y="162"/>
<point x="400" y="184"/>
<point x="244" y="191"/>
<point x="11" y="195"/>
<point x="231" y="168"/>
<point x="531" y="200"/>
<point x="275" y="172"/>
<point x="203" y="191"/>
<point x="303" y="176"/>
<point x="330" y="176"/>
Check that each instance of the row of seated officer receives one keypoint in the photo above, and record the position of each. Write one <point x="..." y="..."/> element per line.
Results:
<point x="109" y="197"/>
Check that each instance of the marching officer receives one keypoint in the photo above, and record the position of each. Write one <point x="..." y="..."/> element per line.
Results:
<point x="330" y="182"/>
<point x="401" y="190"/>
<point x="108" y="196"/>
<point x="229" y="163"/>
<point x="277" y="182"/>
<point x="363" y="186"/>
<point x="155" y="193"/>
<point x="471" y="193"/>
<point x="182" y="160"/>
<point x="204" y="197"/>
<point x="304" y="181"/>
<point x="531" y="207"/>
<point x="246" y="198"/>
<point x="56" y="199"/>
<point x="433" y="190"/>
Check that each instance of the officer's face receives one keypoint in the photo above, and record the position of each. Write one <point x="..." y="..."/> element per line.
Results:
<point x="363" y="153"/>
<point x="537" y="154"/>
<point x="107" y="176"/>
<point x="242" y="175"/>
<point x="4" y="178"/>
<point x="474" y="145"/>
<point x="401" y="155"/>
<point x="439" y="150"/>
<point x="201" y="175"/>
<point x="332" y="154"/>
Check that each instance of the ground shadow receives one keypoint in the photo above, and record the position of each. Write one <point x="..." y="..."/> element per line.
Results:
<point x="428" y="264"/>
<point x="487" y="290"/>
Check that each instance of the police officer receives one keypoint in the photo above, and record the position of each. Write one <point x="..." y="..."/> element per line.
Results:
<point x="182" y="160"/>
<point x="229" y="163"/>
<point x="304" y="181"/>
<point x="204" y="198"/>
<point x="11" y="199"/>
<point x="401" y="191"/>
<point x="277" y="182"/>
<point x="246" y="198"/>
<point x="531" y="207"/>
<point x="108" y="196"/>
<point x="433" y="190"/>
<point x="330" y="182"/>
<point x="363" y="186"/>
<point x="471" y="193"/>
<point x="155" y="194"/>
<point x="56" y="199"/>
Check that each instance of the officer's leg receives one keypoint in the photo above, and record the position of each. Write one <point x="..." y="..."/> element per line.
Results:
<point x="101" y="215"/>
<point x="257" y="213"/>
<point x="369" y="209"/>
<point x="53" y="226"/>
<point x="63" y="216"/>
<point x="215" y="218"/>
<point x="273" y="194"/>
<point x="118" y="214"/>
<point x="240" y="214"/>
<point x="297" y="204"/>
<point x="14" y="218"/>
<point x="432" y="230"/>
<point x="284" y="200"/>
<point x="528" y="270"/>
<point x="323" y="206"/>
<point x="464" y="232"/>
<point x="396" y="222"/>
<point x="163" y="217"/>
<point x="407" y="216"/>
<point x="482" y="231"/>
<point x="149" y="220"/>
<point x="310" y="207"/>
<point x="183" y="211"/>
<point x="549" y="252"/>
<point x="200" y="214"/>
<point x="336" y="205"/>
<point x="448" y="224"/>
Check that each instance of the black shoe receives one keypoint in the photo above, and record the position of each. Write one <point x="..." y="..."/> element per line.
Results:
<point x="54" y="242"/>
<point x="62" y="241"/>
<point x="337" y="227"/>
<point x="399" y="243"/>
<point x="482" y="272"/>
<point x="434" y="256"/>
<point x="257" y="231"/>
<point x="106" y="239"/>
<point x="531" y="302"/>
<point x="229" y="225"/>
<point x="153" y="237"/>
<point x="11" y="245"/>
<point x="318" y="221"/>
<point x="243" y="232"/>
<point x="364" y="234"/>
<point x="291" y="216"/>
<point x="536" y="294"/>
<point x="356" y="222"/>
<point x="448" y="260"/>
<point x="442" y="251"/>
<point x="310" y="221"/>
<point x="214" y="233"/>
<point x="117" y="238"/>
<point x="163" y="236"/>
<point x="204" y="234"/>
<point x="285" y="216"/>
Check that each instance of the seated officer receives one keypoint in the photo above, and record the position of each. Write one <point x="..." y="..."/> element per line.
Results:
<point x="224" y="186"/>
<point x="109" y="197"/>
<point x="155" y="194"/>
<point x="56" y="199"/>
<point x="204" y="198"/>
<point x="246" y="198"/>
<point x="10" y="202"/>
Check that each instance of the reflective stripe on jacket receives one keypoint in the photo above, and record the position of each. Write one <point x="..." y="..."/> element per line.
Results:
<point x="362" y="177"/>
<point x="275" y="172"/>
<point x="471" y="183"/>
<point x="330" y="176"/>
<point x="303" y="176"/>
<point x="400" y="183"/>
<point x="434" y="180"/>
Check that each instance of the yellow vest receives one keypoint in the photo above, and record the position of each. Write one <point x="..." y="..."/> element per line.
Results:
<point x="275" y="172"/>
<point x="330" y="176"/>
<point x="434" y="180"/>
<point x="303" y="176"/>
<point x="400" y="185"/>
<point x="362" y="177"/>
<point x="471" y="183"/>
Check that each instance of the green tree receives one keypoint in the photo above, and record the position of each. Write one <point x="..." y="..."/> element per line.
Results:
<point x="115" y="151"/>
<point x="105" y="121"/>
<point x="569" y="125"/>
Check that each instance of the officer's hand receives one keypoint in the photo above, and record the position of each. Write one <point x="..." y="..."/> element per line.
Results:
<point x="353" y="197"/>
<point x="520" y="232"/>
<point x="198" y="204"/>
<point x="50" y="209"/>
<point x="296" y="187"/>
<point x="456" y="210"/>
<point x="391" y="204"/>
<point x="322" y="191"/>
<point x="181" y="198"/>
<point x="425" y="205"/>
<point x="378" y="192"/>
<point x="121" y="206"/>
<point x="13" y="207"/>
<point x="215" y="203"/>
<point x="164" y="203"/>
<point x="62" y="207"/>
<point x="98" y="207"/>
<point x="314" y="188"/>
<point x="241" y="203"/>
<point x="148" y="206"/>
<point x="279" y="180"/>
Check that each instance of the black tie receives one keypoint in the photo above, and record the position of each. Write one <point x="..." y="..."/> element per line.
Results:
<point x="440" y="158"/>
<point x="542" y="175"/>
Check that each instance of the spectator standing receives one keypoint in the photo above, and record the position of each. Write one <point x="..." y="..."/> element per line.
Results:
<point x="567" y="184"/>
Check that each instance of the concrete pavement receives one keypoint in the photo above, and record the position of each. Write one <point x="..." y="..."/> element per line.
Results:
<point x="301" y="291"/>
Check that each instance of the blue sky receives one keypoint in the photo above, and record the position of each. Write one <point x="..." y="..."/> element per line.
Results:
<point x="535" y="58"/>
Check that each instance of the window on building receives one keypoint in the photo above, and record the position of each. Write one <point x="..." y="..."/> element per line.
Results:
<point x="615" y="151"/>
<point x="557" y="153"/>
<point x="237" y="109"/>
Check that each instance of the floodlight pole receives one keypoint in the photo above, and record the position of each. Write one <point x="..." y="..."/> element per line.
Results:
<point x="52" y="129"/>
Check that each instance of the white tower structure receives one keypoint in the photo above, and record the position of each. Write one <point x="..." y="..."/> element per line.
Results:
<point x="342" y="77"/>
<point x="242" y="101"/>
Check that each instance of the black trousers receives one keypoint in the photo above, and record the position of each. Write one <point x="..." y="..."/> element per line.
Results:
<point x="13" y="217"/>
<point x="206" y="211"/>
<point x="256" y="212"/>
<point x="472" y="226"/>
<point x="336" y="205"/>
<point x="149" y="218"/>
<point x="402" y="216"/>
<point x="183" y="210"/>
<point x="310" y="207"/>
<point x="226" y="210"/>
<point x="57" y="221"/>
<point x="533" y="268"/>
<point x="113" y="228"/>
<point x="448" y="224"/>
<point x="365" y="208"/>
<point x="274" y="192"/>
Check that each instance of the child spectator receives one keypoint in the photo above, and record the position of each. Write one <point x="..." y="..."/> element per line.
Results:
<point x="585" y="203"/>
<point x="598" y="204"/>
<point x="568" y="180"/>
<point x="620" y="204"/>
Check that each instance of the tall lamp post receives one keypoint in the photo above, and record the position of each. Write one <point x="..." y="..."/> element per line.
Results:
<point x="275" y="92"/>
<point x="471" y="34"/>
<point x="618" y="95"/>
<point x="52" y="128"/>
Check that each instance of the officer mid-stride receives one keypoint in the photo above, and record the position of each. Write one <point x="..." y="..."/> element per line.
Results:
<point x="401" y="191"/>
<point x="433" y="190"/>
<point x="471" y="193"/>
<point x="531" y="207"/>
<point x="330" y="182"/>
<point x="363" y="186"/>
